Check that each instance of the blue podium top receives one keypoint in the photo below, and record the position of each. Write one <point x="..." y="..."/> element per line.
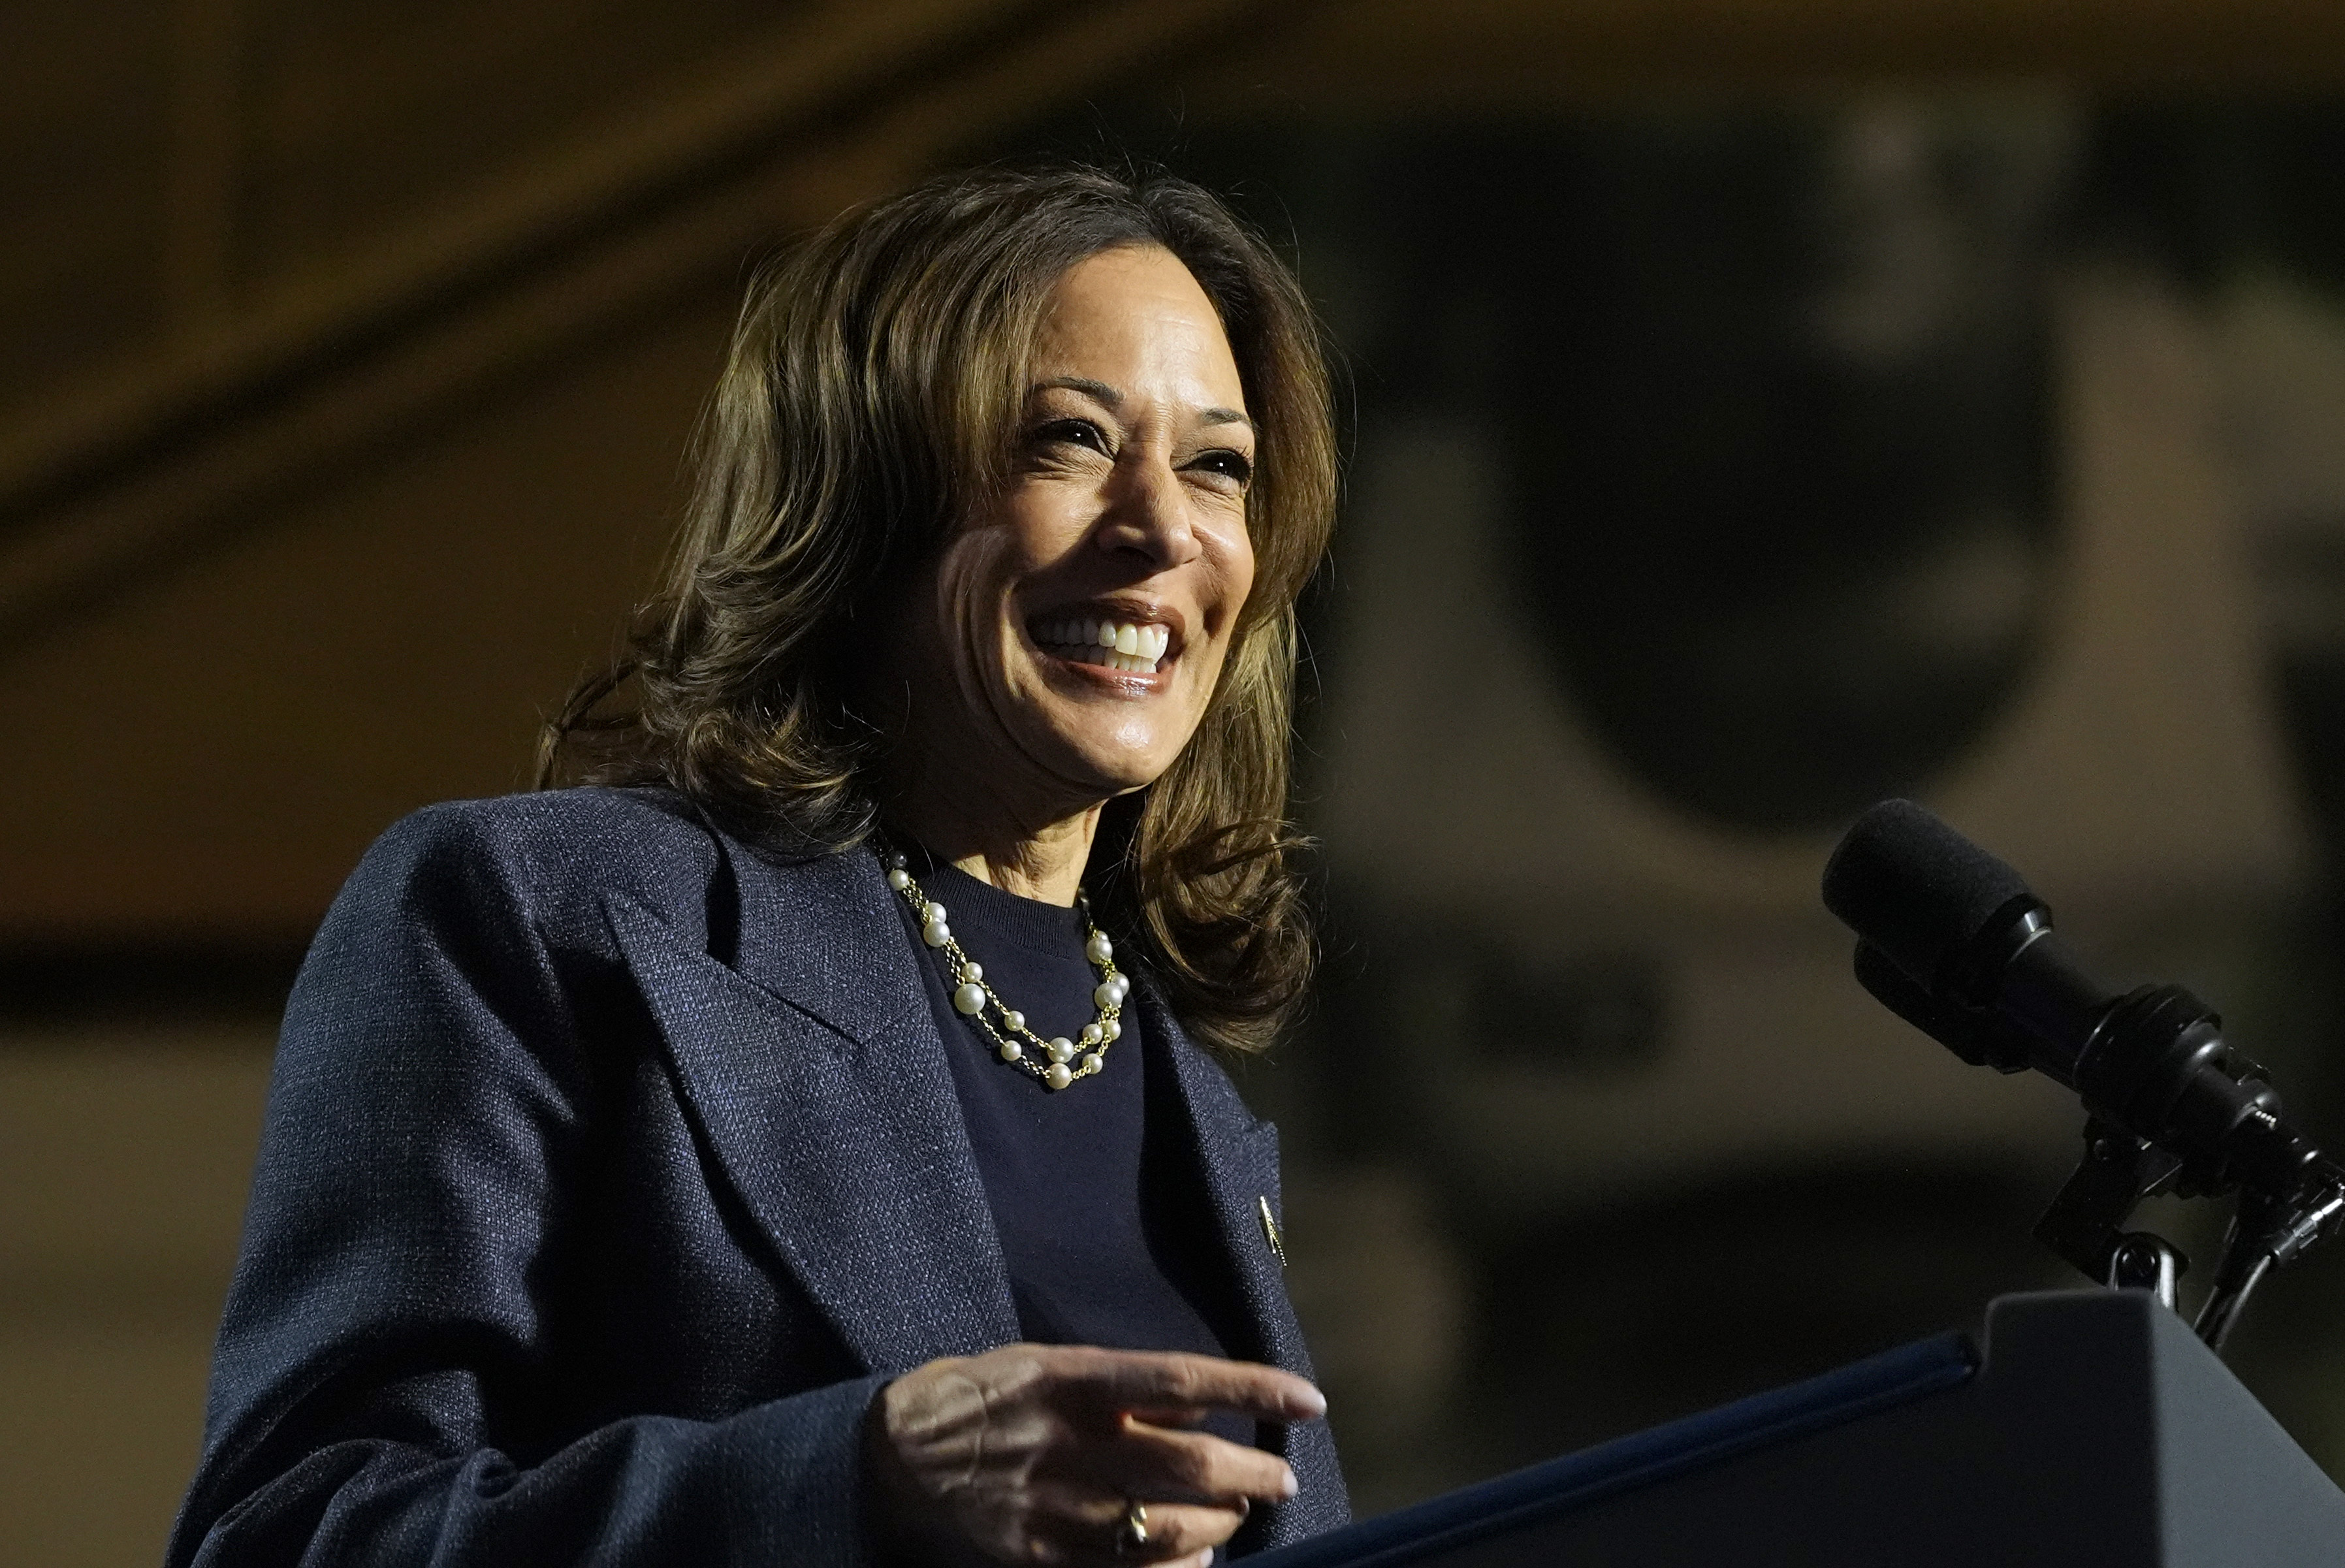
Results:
<point x="1509" y="1503"/>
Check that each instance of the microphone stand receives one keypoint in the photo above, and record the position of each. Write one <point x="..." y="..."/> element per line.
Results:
<point x="2085" y="1224"/>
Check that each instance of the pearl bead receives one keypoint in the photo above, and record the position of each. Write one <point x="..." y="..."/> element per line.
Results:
<point x="1014" y="1019"/>
<point x="1091" y="1063"/>
<point x="1123" y="983"/>
<point x="937" y="932"/>
<point x="1100" y="948"/>
<point x="1092" y="1034"/>
<point x="970" y="999"/>
<point x="972" y="972"/>
<point x="1057" y="1075"/>
<point x="1011" y="1051"/>
<point x="1060" y="1049"/>
<point x="1105" y="994"/>
<point x="1111" y="1030"/>
<point x="934" y="914"/>
<point x="898" y="879"/>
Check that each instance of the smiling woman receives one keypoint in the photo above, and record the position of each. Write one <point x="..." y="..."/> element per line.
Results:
<point x="1014" y="376"/>
<point x="790" y="1142"/>
<point x="1085" y="612"/>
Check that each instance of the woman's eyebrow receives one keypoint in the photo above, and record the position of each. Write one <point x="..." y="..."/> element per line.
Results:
<point x="1110" y="397"/>
<point x="1099" y="391"/>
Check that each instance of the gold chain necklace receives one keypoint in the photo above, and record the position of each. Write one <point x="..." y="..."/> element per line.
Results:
<point x="1057" y="1063"/>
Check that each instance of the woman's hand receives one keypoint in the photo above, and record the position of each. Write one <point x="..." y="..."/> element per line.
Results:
<point x="1035" y="1454"/>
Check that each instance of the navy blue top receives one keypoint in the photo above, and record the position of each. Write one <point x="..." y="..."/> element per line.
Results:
<point x="1090" y="1223"/>
<point x="610" y="1167"/>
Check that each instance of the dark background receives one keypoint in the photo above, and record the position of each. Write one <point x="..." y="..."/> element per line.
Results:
<point x="1751" y="410"/>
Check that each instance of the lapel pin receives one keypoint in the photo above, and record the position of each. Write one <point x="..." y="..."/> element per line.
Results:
<point x="1270" y="1230"/>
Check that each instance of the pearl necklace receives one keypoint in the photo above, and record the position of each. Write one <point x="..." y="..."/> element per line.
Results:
<point x="1010" y="1036"/>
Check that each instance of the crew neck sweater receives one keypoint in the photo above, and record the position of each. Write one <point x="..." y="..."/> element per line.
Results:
<point x="1100" y="1221"/>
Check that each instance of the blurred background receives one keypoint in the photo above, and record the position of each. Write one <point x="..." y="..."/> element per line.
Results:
<point x="1754" y="407"/>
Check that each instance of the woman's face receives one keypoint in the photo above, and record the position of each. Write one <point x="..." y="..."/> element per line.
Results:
<point x="1084" y="617"/>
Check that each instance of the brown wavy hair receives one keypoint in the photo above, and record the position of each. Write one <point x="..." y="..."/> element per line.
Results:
<point x="872" y="398"/>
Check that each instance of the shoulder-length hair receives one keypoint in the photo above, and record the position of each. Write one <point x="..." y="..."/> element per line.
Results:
<point x="872" y="397"/>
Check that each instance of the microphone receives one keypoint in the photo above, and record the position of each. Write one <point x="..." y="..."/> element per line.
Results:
<point x="1951" y="939"/>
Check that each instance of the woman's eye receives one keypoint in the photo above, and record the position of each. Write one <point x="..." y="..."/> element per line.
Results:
<point x="1071" y="432"/>
<point x="1231" y="465"/>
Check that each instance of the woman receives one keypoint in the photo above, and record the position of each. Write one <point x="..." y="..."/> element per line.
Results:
<point x="792" y="1145"/>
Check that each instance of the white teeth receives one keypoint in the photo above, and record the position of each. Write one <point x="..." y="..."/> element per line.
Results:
<point x="1108" y="658"/>
<point x="1132" y="648"/>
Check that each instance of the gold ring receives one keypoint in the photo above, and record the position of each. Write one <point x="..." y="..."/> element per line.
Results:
<point x="1133" y="1533"/>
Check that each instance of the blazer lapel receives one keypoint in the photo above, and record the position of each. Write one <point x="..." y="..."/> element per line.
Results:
<point x="816" y="1074"/>
<point x="1239" y="1158"/>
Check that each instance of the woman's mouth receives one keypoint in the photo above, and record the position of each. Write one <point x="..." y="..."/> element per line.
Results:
<point x="1133" y="648"/>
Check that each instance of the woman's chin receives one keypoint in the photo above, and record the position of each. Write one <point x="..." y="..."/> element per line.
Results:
<point x="1115" y="729"/>
<point x="1106" y="758"/>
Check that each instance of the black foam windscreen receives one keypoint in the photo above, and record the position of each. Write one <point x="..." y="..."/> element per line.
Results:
<point x="1913" y="887"/>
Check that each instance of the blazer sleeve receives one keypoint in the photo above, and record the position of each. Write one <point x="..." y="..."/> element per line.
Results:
<point x="378" y="1386"/>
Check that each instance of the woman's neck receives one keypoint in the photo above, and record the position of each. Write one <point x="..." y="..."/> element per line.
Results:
<point x="1001" y="819"/>
<point x="1043" y="861"/>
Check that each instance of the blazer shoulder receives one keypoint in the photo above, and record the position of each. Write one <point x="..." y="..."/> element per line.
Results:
<point x="555" y="857"/>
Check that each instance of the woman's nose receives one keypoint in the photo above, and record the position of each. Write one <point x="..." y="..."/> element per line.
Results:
<point x="1148" y="514"/>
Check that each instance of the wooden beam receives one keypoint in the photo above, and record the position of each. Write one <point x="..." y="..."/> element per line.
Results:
<point x="818" y="65"/>
<point x="136" y="480"/>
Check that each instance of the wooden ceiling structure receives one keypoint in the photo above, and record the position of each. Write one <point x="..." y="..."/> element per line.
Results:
<point x="354" y="229"/>
<point x="353" y="345"/>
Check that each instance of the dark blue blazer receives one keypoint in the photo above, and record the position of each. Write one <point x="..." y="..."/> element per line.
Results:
<point x="609" y="1168"/>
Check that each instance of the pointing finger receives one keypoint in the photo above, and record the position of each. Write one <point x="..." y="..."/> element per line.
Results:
<point x="1151" y="1380"/>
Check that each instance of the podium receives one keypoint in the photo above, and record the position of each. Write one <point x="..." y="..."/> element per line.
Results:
<point x="2095" y="1431"/>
